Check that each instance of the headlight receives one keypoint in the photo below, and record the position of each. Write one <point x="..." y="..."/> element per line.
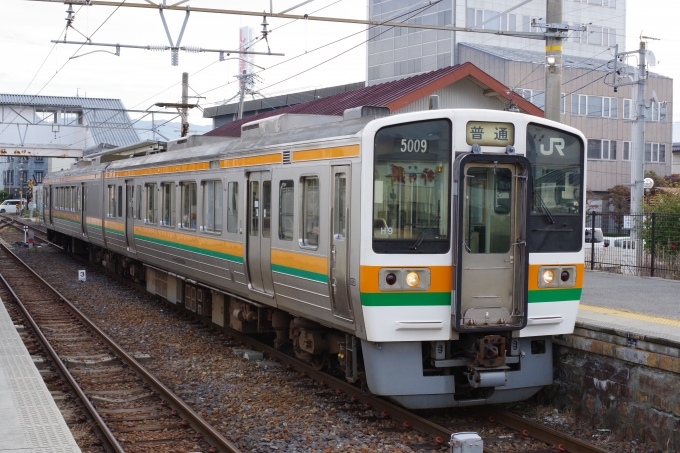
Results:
<point x="412" y="279"/>
<point x="548" y="277"/>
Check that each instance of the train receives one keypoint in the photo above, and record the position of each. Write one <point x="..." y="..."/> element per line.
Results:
<point x="429" y="256"/>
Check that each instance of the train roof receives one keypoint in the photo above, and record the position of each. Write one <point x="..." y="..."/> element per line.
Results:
<point x="248" y="144"/>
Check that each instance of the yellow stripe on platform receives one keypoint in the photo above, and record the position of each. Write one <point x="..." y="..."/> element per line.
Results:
<point x="631" y="315"/>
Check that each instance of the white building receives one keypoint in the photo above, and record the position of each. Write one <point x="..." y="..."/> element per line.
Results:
<point x="397" y="52"/>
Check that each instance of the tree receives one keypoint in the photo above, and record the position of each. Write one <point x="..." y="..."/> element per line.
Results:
<point x="619" y="198"/>
<point x="665" y="205"/>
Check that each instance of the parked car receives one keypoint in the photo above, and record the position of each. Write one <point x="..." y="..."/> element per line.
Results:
<point x="599" y="237"/>
<point x="10" y="206"/>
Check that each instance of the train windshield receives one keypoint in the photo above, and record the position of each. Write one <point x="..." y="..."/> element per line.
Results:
<point x="556" y="160"/>
<point x="411" y="188"/>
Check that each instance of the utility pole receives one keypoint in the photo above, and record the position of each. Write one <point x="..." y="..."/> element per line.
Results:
<point x="555" y="32"/>
<point x="183" y="107"/>
<point x="553" y="60"/>
<point x="185" y="102"/>
<point x="637" y="164"/>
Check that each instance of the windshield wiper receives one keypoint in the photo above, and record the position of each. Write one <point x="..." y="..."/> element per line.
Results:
<point x="423" y="234"/>
<point x="419" y="240"/>
<point x="543" y="207"/>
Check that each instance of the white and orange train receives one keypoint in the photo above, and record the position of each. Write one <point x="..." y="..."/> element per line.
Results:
<point x="431" y="255"/>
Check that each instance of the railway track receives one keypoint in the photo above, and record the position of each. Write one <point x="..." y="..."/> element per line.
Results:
<point x="131" y="409"/>
<point x="555" y="441"/>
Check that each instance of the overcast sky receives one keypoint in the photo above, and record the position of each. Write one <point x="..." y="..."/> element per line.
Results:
<point x="138" y="77"/>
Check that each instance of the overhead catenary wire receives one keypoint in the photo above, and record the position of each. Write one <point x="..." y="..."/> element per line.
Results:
<point x="67" y="61"/>
<point x="414" y="12"/>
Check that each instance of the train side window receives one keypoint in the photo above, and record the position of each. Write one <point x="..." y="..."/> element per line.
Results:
<point x="188" y="202"/>
<point x="138" y="202"/>
<point x="266" y="208"/>
<point x="74" y="198"/>
<point x="310" y="212"/>
<point x="120" y="201"/>
<point x="79" y="198"/>
<point x="112" y="202"/>
<point x="168" y="204"/>
<point x="212" y="206"/>
<point x="232" y="207"/>
<point x="286" y="210"/>
<point x="151" y="198"/>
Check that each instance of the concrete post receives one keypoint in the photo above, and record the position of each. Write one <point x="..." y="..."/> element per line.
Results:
<point x="553" y="64"/>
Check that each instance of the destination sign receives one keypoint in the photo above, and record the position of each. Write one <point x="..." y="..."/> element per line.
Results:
<point x="490" y="134"/>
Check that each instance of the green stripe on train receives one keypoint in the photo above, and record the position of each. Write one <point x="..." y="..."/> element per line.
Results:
<point x="554" y="295"/>
<point x="188" y="248"/>
<point x="66" y="219"/>
<point x="405" y="299"/>
<point x="300" y="273"/>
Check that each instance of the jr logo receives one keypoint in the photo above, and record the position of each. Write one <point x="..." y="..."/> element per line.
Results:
<point x="557" y="143"/>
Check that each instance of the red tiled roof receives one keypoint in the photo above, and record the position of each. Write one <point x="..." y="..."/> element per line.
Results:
<point x="393" y="95"/>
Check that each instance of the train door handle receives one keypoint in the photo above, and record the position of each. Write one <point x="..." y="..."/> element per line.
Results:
<point x="333" y="253"/>
<point x="335" y="286"/>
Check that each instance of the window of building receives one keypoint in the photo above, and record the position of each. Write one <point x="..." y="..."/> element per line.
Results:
<point x="286" y="210"/>
<point x="71" y="117"/>
<point x="188" y="203"/>
<point x="112" y="202"/>
<point x="232" y="207"/>
<point x="46" y="115"/>
<point x="39" y="160"/>
<point x="628" y="109"/>
<point x="536" y="97"/>
<point x="655" y="152"/>
<point x="212" y="206"/>
<point x="662" y="114"/>
<point x="608" y="36"/>
<point x="310" y="212"/>
<point x="167" y="204"/>
<point x="627" y="150"/>
<point x="578" y="104"/>
<point x="601" y="149"/>
<point x="151" y="199"/>
<point x="38" y="177"/>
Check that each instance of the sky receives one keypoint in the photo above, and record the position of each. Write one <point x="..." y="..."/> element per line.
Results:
<point x="31" y="64"/>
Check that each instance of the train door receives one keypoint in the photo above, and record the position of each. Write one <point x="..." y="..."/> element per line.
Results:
<point x="338" y="262"/>
<point x="129" y="215"/>
<point x="83" y="214"/>
<point x="258" y="234"/>
<point x="493" y="251"/>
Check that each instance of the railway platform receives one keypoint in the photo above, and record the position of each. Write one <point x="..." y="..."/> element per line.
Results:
<point x="30" y="421"/>
<point x="645" y="307"/>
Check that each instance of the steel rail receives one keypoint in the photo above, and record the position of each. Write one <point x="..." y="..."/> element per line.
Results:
<point x="101" y="425"/>
<point x="212" y="436"/>
<point x="440" y="433"/>
<point x="543" y="433"/>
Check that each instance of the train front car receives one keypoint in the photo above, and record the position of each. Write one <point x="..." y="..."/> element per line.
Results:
<point x="473" y="256"/>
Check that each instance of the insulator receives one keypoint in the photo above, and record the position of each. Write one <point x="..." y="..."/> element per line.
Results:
<point x="158" y="48"/>
<point x="175" y="57"/>
<point x="192" y="49"/>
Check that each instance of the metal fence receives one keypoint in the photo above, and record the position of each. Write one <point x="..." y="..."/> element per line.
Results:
<point x="645" y="244"/>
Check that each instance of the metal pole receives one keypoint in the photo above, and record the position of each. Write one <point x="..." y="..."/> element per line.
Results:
<point x="637" y="170"/>
<point x="592" y="241"/>
<point x="553" y="66"/>
<point x="185" y="101"/>
<point x="653" y="242"/>
<point x="242" y="94"/>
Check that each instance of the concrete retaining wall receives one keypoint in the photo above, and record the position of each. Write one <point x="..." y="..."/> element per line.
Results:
<point x="626" y="384"/>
